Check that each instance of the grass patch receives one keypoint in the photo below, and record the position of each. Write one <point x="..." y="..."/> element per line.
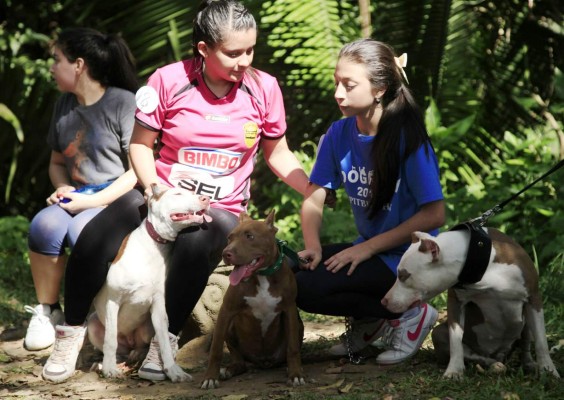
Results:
<point x="16" y="283"/>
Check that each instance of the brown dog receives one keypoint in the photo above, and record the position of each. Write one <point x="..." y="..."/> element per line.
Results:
<point x="258" y="318"/>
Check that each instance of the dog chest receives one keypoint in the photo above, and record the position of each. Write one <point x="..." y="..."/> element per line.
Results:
<point x="263" y="305"/>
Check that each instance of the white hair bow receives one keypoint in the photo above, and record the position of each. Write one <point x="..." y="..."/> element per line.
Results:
<point x="401" y="62"/>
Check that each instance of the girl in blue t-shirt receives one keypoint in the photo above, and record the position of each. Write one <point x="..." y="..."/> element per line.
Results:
<point x="381" y="154"/>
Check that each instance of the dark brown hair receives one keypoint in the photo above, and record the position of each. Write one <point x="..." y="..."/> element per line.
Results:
<point x="401" y="124"/>
<point x="108" y="57"/>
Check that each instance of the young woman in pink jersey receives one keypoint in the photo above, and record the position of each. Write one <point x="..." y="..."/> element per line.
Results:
<point x="211" y="114"/>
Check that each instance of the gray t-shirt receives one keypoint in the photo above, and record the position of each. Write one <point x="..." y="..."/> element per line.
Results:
<point x="94" y="140"/>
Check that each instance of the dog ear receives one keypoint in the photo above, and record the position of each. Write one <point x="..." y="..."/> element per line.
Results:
<point x="244" y="217"/>
<point x="270" y="220"/>
<point x="428" y="245"/>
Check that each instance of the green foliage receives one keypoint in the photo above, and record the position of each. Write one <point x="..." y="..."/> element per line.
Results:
<point x="16" y="284"/>
<point x="473" y="187"/>
<point x="27" y="95"/>
<point x="7" y="115"/>
<point x="552" y="284"/>
<point x="497" y="62"/>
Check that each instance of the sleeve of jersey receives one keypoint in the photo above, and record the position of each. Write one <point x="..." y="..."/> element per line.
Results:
<point x="423" y="177"/>
<point x="155" y="118"/>
<point x="326" y="172"/>
<point x="274" y="125"/>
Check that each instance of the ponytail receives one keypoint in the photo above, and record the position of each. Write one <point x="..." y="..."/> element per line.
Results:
<point x="401" y="127"/>
<point x="122" y="74"/>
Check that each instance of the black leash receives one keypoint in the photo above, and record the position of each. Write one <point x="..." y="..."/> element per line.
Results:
<point x="481" y="220"/>
<point x="480" y="244"/>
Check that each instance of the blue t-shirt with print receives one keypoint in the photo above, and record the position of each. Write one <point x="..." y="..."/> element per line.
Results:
<point x="343" y="159"/>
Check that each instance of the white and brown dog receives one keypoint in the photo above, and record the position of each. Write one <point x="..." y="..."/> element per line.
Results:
<point x="130" y="307"/>
<point x="486" y="319"/>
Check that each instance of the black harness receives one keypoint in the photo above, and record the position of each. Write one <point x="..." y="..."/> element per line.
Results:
<point x="479" y="251"/>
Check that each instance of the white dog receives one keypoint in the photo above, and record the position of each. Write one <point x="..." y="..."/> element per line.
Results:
<point x="486" y="318"/>
<point x="130" y="307"/>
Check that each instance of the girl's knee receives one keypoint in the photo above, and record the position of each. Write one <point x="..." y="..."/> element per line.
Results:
<point x="47" y="231"/>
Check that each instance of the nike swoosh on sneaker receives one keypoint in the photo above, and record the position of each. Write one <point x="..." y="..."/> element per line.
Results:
<point x="413" y="336"/>
<point x="367" y="337"/>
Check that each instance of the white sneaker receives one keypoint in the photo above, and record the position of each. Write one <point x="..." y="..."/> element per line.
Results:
<point x="404" y="337"/>
<point x="62" y="361"/>
<point x="41" y="329"/>
<point x="152" y="368"/>
<point x="364" y="332"/>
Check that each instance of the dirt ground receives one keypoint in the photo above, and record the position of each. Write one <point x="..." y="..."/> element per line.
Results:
<point x="20" y="373"/>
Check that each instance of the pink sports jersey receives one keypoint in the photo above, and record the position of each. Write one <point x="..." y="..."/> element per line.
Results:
<point x="208" y="144"/>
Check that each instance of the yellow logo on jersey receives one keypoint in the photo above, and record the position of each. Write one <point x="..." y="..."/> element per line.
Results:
<point x="251" y="133"/>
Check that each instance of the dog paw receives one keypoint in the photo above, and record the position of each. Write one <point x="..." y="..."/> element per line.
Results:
<point x="210" y="384"/>
<point x="454" y="375"/>
<point x="550" y="369"/>
<point x="113" y="373"/>
<point x="296" y="381"/>
<point x="177" y="374"/>
<point x="497" y="368"/>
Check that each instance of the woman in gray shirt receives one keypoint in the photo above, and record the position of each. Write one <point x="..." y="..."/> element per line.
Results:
<point x="89" y="138"/>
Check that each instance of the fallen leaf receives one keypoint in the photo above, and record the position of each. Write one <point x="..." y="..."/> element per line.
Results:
<point x="333" y="386"/>
<point x="346" y="388"/>
<point x="234" y="397"/>
<point x="510" y="396"/>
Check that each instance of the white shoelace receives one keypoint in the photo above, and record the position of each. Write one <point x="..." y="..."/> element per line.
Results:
<point x="63" y="348"/>
<point x="37" y="318"/>
<point x="389" y="338"/>
<point x="154" y="354"/>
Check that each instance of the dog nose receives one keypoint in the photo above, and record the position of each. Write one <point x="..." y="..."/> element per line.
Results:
<point x="204" y="199"/>
<point x="227" y="255"/>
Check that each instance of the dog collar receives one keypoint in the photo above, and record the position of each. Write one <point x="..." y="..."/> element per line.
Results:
<point x="153" y="233"/>
<point x="283" y="250"/>
<point x="478" y="256"/>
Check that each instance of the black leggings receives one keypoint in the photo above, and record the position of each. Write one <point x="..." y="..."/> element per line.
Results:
<point x="358" y="295"/>
<point x="196" y="253"/>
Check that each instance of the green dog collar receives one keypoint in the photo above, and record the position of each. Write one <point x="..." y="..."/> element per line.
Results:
<point x="283" y="250"/>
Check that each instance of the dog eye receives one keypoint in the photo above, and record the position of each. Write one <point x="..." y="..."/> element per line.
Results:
<point x="250" y="236"/>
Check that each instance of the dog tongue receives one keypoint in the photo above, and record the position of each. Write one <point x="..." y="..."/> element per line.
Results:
<point x="238" y="274"/>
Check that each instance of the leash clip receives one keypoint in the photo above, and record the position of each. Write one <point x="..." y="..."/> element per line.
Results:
<point x="482" y="219"/>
